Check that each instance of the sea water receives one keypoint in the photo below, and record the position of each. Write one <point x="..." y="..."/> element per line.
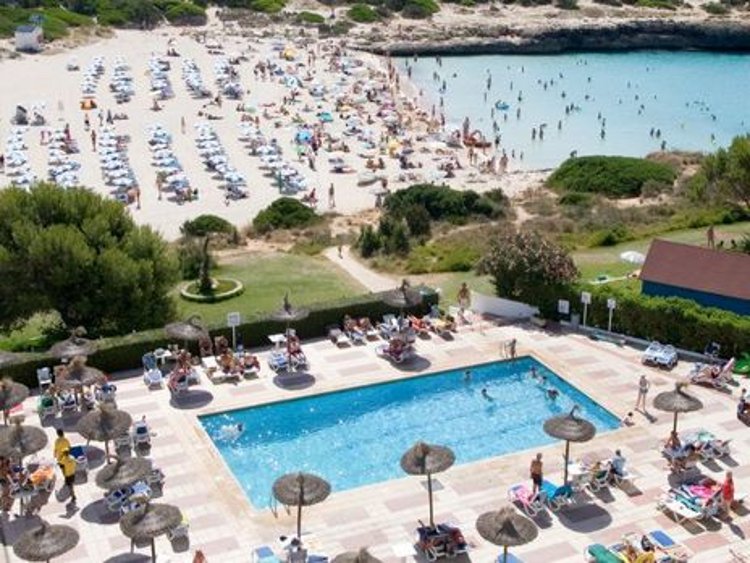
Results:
<point x="630" y="103"/>
<point x="356" y="437"/>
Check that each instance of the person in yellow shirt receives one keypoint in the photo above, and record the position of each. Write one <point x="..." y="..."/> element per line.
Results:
<point x="61" y="444"/>
<point x="68" y="465"/>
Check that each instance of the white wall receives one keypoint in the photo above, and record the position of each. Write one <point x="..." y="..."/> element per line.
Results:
<point x="486" y="304"/>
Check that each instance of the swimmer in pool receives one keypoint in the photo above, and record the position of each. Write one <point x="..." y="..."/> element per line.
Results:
<point x="231" y="431"/>
<point x="467" y="376"/>
<point x="552" y="393"/>
<point x="485" y="394"/>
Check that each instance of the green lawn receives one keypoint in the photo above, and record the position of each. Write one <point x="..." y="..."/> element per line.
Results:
<point x="606" y="260"/>
<point x="267" y="277"/>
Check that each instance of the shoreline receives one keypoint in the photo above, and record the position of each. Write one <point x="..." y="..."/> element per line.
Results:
<point x="572" y="36"/>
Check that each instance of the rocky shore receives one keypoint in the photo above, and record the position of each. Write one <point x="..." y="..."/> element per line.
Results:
<point x="570" y="35"/>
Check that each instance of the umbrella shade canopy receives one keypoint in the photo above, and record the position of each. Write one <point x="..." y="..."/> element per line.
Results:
<point x="79" y="374"/>
<point x="104" y="424"/>
<point x="123" y="472"/>
<point x="301" y="488"/>
<point x="190" y="329"/>
<point x="570" y="427"/>
<point x="151" y="521"/>
<point x="73" y="346"/>
<point x="45" y="542"/>
<point x="506" y="527"/>
<point x="424" y="459"/>
<point x="18" y="441"/>
<point x="361" y="556"/>
<point x="633" y="257"/>
<point x="403" y="296"/>
<point x="12" y="394"/>
<point x="289" y="314"/>
<point x="677" y="401"/>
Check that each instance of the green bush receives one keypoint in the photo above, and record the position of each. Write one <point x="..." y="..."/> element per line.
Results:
<point x="267" y="6"/>
<point x="190" y="258"/>
<point x="310" y="17"/>
<point x="611" y="236"/>
<point x="576" y="199"/>
<point x="613" y="176"/>
<point x="419" y="9"/>
<point x="671" y="320"/>
<point x="362" y="13"/>
<point x="445" y="204"/>
<point x="285" y="213"/>
<point x="125" y="352"/>
<point x="186" y="13"/>
<point x="658" y="4"/>
<point x="716" y="9"/>
<point x="442" y="256"/>
<point x="567" y="4"/>
<point x="206" y="224"/>
<point x="368" y="242"/>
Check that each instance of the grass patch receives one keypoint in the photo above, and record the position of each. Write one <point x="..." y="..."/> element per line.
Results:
<point x="267" y="277"/>
<point x="55" y="23"/>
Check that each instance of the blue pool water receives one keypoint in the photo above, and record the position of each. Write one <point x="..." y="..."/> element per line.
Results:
<point x="356" y="437"/>
<point x="689" y="96"/>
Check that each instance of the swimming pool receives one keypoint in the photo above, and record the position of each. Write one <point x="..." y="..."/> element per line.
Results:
<point x="356" y="437"/>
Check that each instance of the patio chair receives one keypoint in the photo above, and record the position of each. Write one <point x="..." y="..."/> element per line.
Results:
<point x="598" y="481"/>
<point x="153" y="378"/>
<point x="531" y="503"/>
<point x="278" y="361"/>
<point x="141" y="434"/>
<point x="651" y="354"/>
<point x="44" y="377"/>
<point x="676" y="551"/>
<point x="47" y="407"/>
<point x="556" y="497"/>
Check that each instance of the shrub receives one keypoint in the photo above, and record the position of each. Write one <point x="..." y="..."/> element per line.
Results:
<point x="267" y="6"/>
<point x="716" y="9"/>
<point x="362" y="13"/>
<point x="418" y="221"/>
<point x="206" y="224"/>
<point x="576" y="199"/>
<point x="610" y="237"/>
<point x="419" y="9"/>
<point x="190" y="258"/>
<point x="284" y="213"/>
<point x="567" y="4"/>
<point x="442" y="256"/>
<point x="445" y="204"/>
<point x="310" y="17"/>
<point x="613" y="176"/>
<point x="186" y="13"/>
<point x="368" y="242"/>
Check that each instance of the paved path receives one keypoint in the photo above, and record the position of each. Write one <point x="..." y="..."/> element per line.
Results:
<point x="364" y="275"/>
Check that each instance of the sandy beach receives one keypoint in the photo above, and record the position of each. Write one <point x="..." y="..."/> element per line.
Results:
<point x="44" y="81"/>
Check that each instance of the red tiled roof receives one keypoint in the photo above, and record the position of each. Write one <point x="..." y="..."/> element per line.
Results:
<point x="701" y="269"/>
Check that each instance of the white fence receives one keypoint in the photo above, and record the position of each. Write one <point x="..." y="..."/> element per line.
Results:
<point x="488" y="305"/>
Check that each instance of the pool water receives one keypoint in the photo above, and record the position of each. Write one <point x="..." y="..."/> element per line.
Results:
<point x="356" y="437"/>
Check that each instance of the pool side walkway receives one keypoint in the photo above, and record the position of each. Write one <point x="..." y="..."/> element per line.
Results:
<point x="383" y="516"/>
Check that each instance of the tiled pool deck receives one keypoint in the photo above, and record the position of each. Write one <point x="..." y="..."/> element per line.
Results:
<point x="383" y="516"/>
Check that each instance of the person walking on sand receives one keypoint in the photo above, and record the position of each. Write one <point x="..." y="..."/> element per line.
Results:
<point x="331" y="197"/>
<point x="183" y="126"/>
<point x="341" y="251"/>
<point x="643" y="387"/>
<point x="537" y="473"/>
<point x="93" y="140"/>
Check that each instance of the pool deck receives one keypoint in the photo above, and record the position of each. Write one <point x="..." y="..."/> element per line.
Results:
<point x="383" y="516"/>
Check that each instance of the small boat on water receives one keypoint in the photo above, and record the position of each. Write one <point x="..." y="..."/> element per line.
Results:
<point x="502" y="106"/>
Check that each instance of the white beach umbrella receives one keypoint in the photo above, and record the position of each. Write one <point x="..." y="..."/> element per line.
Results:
<point x="632" y="257"/>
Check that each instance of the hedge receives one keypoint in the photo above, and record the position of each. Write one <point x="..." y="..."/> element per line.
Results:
<point x="125" y="352"/>
<point x="670" y="320"/>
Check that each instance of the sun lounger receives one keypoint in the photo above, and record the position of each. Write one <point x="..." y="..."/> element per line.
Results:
<point x="338" y="337"/>
<point x="597" y="553"/>
<point x="667" y="357"/>
<point x="278" y="361"/>
<point x="394" y="354"/>
<point x="264" y="554"/>
<point x="556" y="497"/>
<point x="531" y="503"/>
<point x="46" y="407"/>
<point x="676" y="551"/>
<point x="141" y="434"/>
<point x="153" y="378"/>
<point x="681" y="511"/>
<point x="718" y="377"/>
<point x="78" y="453"/>
<point x="598" y="481"/>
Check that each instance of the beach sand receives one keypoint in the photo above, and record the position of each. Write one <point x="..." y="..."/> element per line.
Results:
<point x="43" y="79"/>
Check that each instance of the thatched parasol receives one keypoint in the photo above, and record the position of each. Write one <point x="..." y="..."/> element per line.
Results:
<point x="361" y="556"/>
<point x="75" y="345"/>
<point x="570" y="428"/>
<point x="104" y="425"/>
<point x="11" y="394"/>
<point x="123" y="472"/>
<point x="45" y="542"/>
<point x="403" y="296"/>
<point x="149" y="522"/>
<point x="288" y="314"/>
<point x="426" y="459"/>
<point x="300" y="489"/>
<point x="507" y="528"/>
<point x="677" y="401"/>
<point x="189" y="330"/>
<point x="18" y="441"/>
<point x="78" y="374"/>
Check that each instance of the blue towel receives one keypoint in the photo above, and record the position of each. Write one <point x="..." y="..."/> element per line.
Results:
<point x="662" y="538"/>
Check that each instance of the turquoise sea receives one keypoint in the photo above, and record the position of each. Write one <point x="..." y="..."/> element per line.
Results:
<point x="628" y="103"/>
